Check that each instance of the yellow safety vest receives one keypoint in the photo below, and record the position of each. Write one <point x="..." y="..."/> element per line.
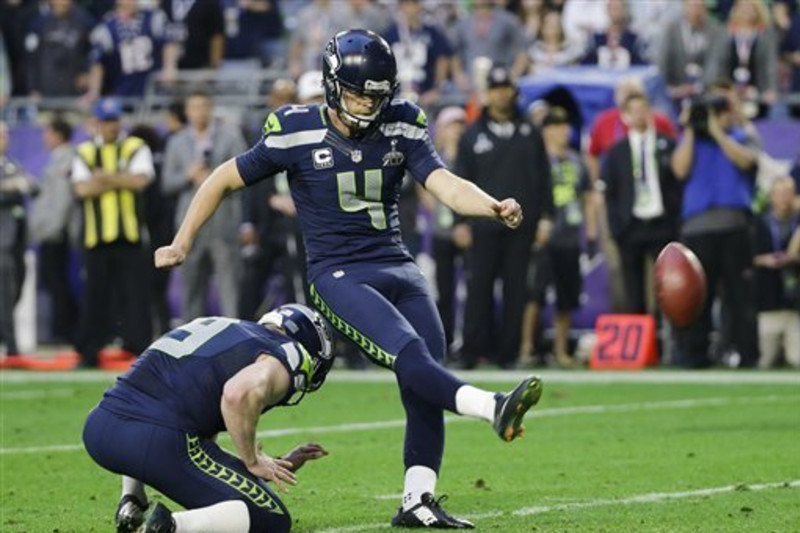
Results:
<point x="104" y="215"/>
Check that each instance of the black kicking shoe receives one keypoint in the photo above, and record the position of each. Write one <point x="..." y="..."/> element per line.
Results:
<point x="159" y="520"/>
<point x="130" y="514"/>
<point x="429" y="514"/>
<point x="511" y="408"/>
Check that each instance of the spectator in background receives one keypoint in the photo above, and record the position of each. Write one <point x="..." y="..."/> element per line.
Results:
<point x="253" y="29"/>
<point x="552" y="49"/>
<point x="493" y="33"/>
<point x="718" y="163"/>
<point x="15" y="187"/>
<point x="446" y="16"/>
<point x="448" y="244"/>
<point x="557" y="263"/>
<point x="504" y="155"/>
<point x="686" y="48"/>
<point x="778" y="278"/>
<point x="748" y="56"/>
<point x="790" y="48"/>
<point x="159" y="216"/>
<point x="175" y="119"/>
<point x="128" y="46"/>
<point x="109" y="174"/>
<point x="648" y="20"/>
<point x="422" y="51"/>
<point x="15" y="19"/>
<point x="584" y="18"/>
<point x="609" y="128"/>
<point x="199" y="27"/>
<point x="49" y="224"/>
<point x="315" y="24"/>
<point x="368" y="14"/>
<point x="531" y="15"/>
<point x="617" y="47"/>
<point x="268" y="233"/>
<point x="643" y="200"/>
<point x="190" y="156"/>
<point x="57" y="50"/>
<point x="610" y="125"/>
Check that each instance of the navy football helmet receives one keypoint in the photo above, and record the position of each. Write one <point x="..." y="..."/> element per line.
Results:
<point x="306" y="327"/>
<point x="362" y="62"/>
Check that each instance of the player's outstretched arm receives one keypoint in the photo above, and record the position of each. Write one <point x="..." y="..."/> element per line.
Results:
<point x="224" y="180"/>
<point x="244" y="397"/>
<point x="466" y="198"/>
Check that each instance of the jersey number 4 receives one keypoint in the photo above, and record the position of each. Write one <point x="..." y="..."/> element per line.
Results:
<point x="351" y="201"/>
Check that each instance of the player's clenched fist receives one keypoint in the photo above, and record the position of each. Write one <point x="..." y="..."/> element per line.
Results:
<point x="169" y="256"/>
<point x="509" y="212"/>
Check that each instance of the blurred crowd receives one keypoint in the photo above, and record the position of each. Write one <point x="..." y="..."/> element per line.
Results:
<point x="88" y="48"/>
<point x="638" y="180"/>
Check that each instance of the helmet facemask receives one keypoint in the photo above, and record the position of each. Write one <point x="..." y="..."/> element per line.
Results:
<point x="359" y="62"/>
<point x="308" y="329"/>
<point x="362" y="122"/>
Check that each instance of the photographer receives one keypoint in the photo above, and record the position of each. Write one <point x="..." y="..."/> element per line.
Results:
<point x="718" y="160"/>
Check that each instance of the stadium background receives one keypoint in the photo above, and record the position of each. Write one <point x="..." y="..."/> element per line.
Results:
<point x="260" y="56"/>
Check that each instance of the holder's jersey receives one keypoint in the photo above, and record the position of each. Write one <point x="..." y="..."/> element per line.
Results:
<point x="177" y="382"/>
<point x="345" y="190"/>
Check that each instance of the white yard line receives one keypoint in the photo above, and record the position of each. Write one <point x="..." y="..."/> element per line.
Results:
<point x="538" y="413"/>
<point x="703" y="377"/>
<point x="36" y="394"/>
<point x="653" y="497"/>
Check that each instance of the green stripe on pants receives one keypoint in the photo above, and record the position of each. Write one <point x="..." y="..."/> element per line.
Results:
<point x="378" y="355"/>
<point x="251" y="490"/>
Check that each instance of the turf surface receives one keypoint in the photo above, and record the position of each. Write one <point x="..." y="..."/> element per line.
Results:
<point x="672" y="455"/>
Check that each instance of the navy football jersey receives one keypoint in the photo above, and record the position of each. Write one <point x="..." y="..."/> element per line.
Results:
<point x="129" y="50"/>
<point x="345" y="190"/>
<point x="177" y="382"/>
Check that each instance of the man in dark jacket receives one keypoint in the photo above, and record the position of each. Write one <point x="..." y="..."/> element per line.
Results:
<point x="643" y="198"/>
<point x="504" y="155"/>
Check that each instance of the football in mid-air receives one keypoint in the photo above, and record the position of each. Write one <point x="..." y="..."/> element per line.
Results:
<point x="680" y="284"/>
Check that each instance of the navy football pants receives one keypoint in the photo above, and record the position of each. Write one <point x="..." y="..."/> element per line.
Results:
<point x="192" y="471"/>
<point x="387" y="311"/>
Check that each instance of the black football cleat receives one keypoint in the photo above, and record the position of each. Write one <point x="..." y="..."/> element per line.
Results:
<point x="511" y="408"/>
<point x="159" y="520"/>
<point x="429" y="514"/>
<point x="130" y="514"/>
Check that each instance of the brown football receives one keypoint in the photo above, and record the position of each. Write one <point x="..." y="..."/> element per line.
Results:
<point x="680" y="284"/>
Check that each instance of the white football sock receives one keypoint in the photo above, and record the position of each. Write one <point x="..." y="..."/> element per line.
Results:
<point x="474" y="402"/>
<point x="225" y="517"/>
<point x="419" y="480"/>
<point x="134" y="487"/>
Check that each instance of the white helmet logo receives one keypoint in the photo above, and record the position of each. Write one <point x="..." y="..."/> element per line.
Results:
<point x="377" y="86"/>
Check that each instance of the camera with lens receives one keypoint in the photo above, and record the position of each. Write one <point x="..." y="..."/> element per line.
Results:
<point x="701" y="107"/>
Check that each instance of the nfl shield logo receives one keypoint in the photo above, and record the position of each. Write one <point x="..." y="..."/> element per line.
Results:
<point x="356" y="156"/>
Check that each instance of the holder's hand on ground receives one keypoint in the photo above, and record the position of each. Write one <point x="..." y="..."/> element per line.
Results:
<point x="304" y="453"/>
<point x="270" y="469"/>
<point x="509" y="213"/>
<point x="169" y="256"/>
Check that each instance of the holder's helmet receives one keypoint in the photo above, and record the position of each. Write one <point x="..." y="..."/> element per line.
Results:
<point x="362" y="62"/>
<point x="305" y="326"/>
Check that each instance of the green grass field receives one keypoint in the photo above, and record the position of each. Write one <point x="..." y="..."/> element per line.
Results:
<point x="602" y="452"/>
